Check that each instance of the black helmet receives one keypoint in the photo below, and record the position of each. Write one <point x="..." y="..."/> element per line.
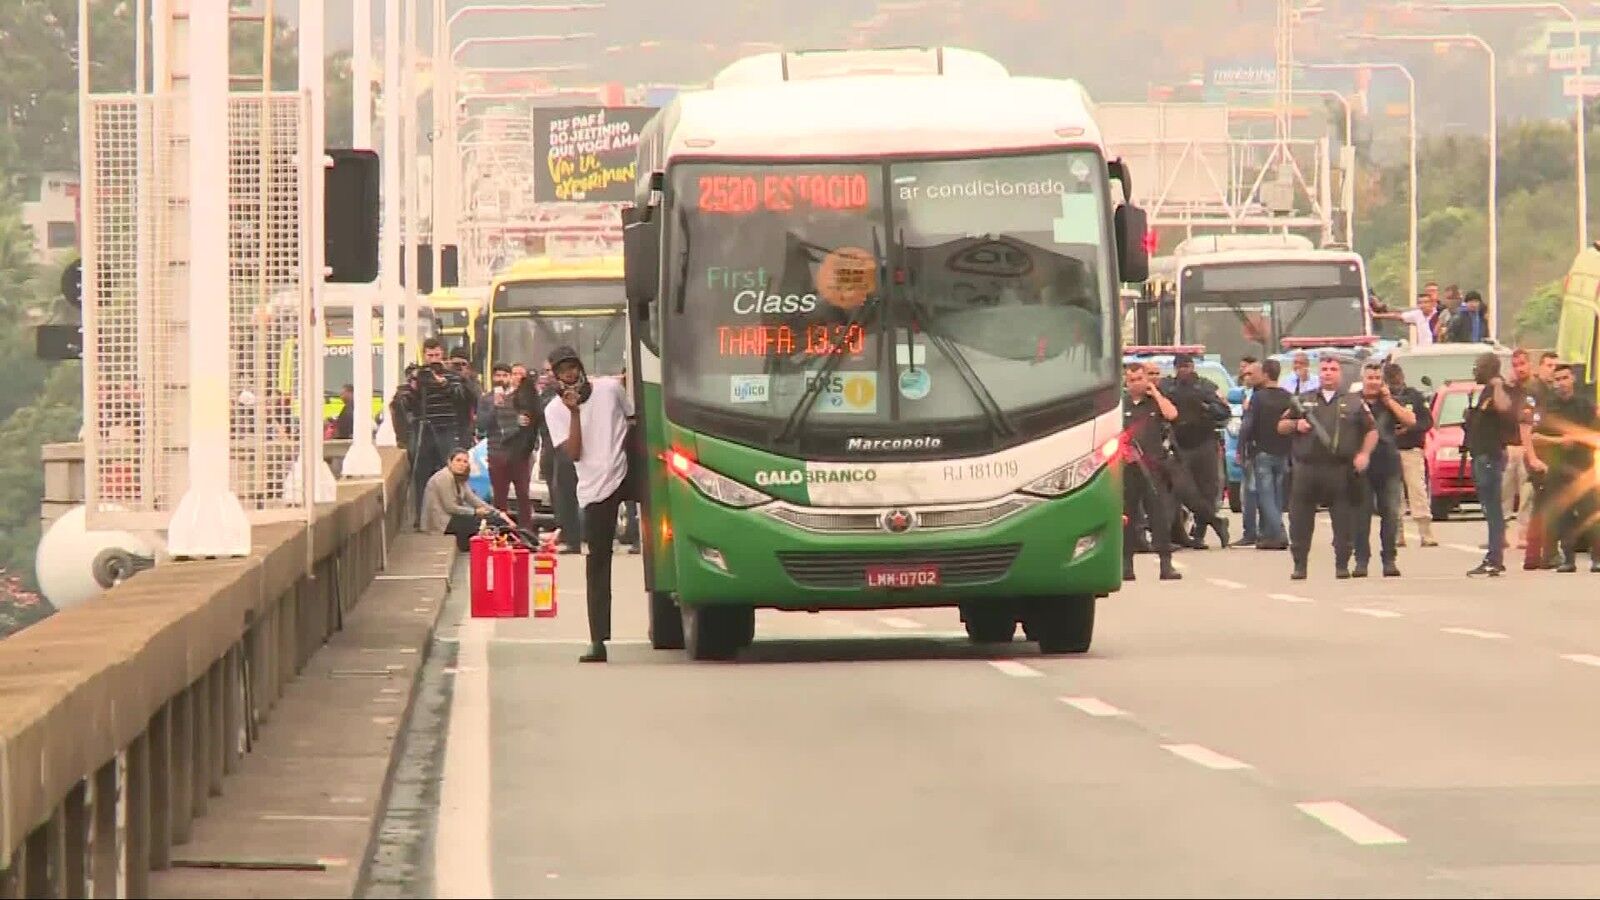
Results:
<point x="562" y="354"/>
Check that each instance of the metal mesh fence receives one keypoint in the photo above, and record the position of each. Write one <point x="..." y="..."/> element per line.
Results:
<point x="133" y="342"/>
<point x="264" y="256"/>
<point x="136" y="307"/>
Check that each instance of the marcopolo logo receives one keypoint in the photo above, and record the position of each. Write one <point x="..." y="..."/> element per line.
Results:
<point x="789" y="477"/>
<point x="902" y="445"/>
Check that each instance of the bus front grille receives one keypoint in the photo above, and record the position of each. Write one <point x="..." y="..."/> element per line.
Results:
<point x="848" y="568"/>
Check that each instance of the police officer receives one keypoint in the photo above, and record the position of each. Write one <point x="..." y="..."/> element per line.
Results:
<point x="1565" y="423"/>
<point x="1201" y="411"/>
<point x="1334" y="436"/>
<point x="1146" y="481"/>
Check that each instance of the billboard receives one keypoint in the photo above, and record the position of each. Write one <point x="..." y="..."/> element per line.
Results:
<point x="587" y="152"/>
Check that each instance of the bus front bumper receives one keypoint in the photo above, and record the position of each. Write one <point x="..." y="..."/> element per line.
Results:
<point x="1071" y="545"/>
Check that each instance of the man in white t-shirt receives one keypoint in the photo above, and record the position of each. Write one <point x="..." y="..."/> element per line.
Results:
<point x="1421" y="318"/>
<point x="596" y="440"/>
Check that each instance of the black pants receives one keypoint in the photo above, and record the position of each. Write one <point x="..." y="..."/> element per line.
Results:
<point x="463" y="527"/>
<point x="1202" y="464"/>
<point x="1185" y="492"/>
<point x="1376" y="496"/>
<point x="1334" y="484"/>
<point x="429" y="451"/>
<point x="600" y="533"/>
<point x="563" y="485"/>
<point x="1149" y="491"/>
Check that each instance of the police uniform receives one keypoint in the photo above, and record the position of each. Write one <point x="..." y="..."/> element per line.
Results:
<point x="1568" y="502"/>
<point x="1324" y="472"/>
<point x="1146" y="482"/>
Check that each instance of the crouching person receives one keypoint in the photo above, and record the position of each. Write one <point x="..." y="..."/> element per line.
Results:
<point x="448" y="504"/>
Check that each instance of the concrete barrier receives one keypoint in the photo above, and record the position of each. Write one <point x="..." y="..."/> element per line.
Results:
<point x="120" y="717"/>
<point x="63" y="476"/>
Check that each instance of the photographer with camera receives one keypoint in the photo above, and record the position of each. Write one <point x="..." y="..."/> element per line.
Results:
<point x="588" y="423"/>
<point x="432" y="403"/>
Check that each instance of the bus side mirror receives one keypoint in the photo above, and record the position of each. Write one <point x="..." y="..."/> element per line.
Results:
<point x="1133" y="261"/>
<point x="641" y="259"/>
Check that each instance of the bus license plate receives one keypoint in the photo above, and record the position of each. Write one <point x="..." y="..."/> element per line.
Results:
<point x="902" y="576"/>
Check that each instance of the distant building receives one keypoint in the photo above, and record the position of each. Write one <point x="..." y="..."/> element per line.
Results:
<point x="50" y="209"/>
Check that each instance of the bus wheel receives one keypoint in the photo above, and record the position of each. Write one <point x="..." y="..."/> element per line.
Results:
<point x="716" y="632"/>
<point x="1061" y="624"/>
<point x="986" y="625"/>
<point x="666" y="623"/>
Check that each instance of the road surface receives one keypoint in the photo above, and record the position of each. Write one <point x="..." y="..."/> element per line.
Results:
<point x="1235" y="734"/>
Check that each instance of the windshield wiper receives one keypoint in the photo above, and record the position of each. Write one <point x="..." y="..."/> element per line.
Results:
<point x="808" y="400"/>
<point x="998" y="420"/>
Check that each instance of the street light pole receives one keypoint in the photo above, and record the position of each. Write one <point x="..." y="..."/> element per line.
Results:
<point x="1411" y="152"/>
<point x="209" y="521"/>
<point x="389" y="280"/>
<point x="1494" y="153"/>
<point x="413" y="336"/>
<point x="362" y="459"/>
<point x="1578" y="73"/>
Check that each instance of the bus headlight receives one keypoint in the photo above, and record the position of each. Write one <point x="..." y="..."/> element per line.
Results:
<point x="720" y="488"/>
<point x="1077" y="473"/>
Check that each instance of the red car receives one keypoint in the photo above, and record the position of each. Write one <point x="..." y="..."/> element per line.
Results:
<point x="1449" y="478"/>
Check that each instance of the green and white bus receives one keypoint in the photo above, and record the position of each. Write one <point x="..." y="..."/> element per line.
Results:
<point x="874" y="321"/>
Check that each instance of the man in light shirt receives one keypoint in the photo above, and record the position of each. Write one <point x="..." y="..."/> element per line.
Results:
<point x="588" y="422"/>
<point x="1421" y="318"/>
<point x="1300" y="379"/>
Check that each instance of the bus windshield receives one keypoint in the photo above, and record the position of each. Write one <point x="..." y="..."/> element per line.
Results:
<point x="338" y="368"/>
<point x="1247" y="309"/>
<point x="830" y="304"/>
<point x="529" y="339"/>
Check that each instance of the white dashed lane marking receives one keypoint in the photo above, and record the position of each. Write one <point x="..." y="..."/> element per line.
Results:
<point x="1474" y="632"/>
<point x="1203" y="756"/>
<point x="1587" y="659"/>
<point x="1015" y="669"/>
<point x="1225" y="584"/>
<point x="1092" y="706"/>
<point x="1291" y="598"/>
<point x="1374" y="613"/>
<point x="1350" y="822"/>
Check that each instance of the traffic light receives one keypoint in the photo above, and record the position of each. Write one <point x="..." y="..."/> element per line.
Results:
<point x="351" y="218"/>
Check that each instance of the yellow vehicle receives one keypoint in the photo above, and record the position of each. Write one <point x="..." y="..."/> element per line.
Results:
<point x="541" y="303"/>
<point x="338" y="345"/>
<point x="457" y="310"/>
<point x="1577" y="341"/>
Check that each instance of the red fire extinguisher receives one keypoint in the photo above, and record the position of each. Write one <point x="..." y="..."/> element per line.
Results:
<point x="481" y="574"/>
<point x="544" y="578"/>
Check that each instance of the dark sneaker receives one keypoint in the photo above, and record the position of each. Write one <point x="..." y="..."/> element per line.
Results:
<point x="1168" y="573"/>
<point x="1341" y="573"/>
<point x="1360" y="571"/>
<point x="1221" y="528"/>
<point x="1488" y="569"/>
<point x="1299" y="574"/>
<point x="1390" y="570"/>
<point x="1245" y="541"/>
<point x="1568" y="566"/>
<point x="597" y="653"/>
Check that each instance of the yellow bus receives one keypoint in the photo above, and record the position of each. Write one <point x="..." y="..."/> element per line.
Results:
<point x="457" y="310"/>
<point x="1577" y="340"/>
<point x="338" y="345"/>
<point x="540" y="303"/>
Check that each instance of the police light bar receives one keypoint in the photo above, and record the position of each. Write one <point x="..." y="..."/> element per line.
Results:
<point x="1158" y="349"/>
<point x="1291" y="343"/>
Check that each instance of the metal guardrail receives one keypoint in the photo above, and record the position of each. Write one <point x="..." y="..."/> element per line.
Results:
<point x="120" y="717"/>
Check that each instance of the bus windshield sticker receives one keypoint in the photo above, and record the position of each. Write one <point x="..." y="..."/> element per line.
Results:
<point x="750" y="389"/>
<point x="915" y="384"/>
<point x="1079" y="222"/>
<point x="848" y="392"/>
<point x="847" y="277"/>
